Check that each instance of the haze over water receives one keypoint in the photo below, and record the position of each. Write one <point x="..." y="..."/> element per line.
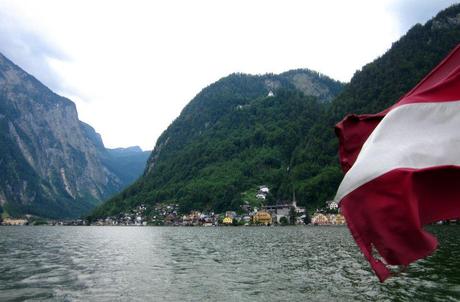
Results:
<point x="211" y="264"/>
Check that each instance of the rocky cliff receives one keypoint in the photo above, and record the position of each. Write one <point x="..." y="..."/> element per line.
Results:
<point x="51" y="163"/>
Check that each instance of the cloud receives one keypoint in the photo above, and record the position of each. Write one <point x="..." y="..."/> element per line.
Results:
<point x="30" y="50"/>
<point x="411" y="12"/>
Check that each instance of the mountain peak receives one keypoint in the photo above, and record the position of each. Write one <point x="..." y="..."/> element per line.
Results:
<point x="446" y="22"/>
<point x="126" y="150"/>
<point x="314" y="83"/>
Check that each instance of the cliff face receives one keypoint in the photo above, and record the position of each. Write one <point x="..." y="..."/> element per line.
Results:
<point x="50" y="161"/>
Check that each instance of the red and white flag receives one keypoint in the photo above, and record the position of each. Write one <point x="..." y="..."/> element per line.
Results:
<point x="403" y="169"/>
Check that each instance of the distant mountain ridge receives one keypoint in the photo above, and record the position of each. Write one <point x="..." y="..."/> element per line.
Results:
<point x="126" y="151"/>
<point x="51" y="163"/>
<point x="127" y="163"/>
<point x="232" y="136"/>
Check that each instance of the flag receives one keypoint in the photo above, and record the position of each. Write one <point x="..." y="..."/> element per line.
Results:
<point x="403" y="170"/>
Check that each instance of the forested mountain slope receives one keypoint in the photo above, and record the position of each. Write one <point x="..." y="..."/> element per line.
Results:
<point x="232" y="136"/>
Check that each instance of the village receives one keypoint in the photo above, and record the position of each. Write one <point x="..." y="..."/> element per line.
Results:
<point x="281" y="213"/>
<point x="168" y="214"/>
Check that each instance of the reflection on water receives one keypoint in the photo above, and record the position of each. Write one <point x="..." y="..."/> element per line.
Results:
<point x="211" y="264"/>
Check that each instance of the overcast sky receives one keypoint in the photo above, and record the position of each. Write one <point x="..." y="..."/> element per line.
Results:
<point x="131" y="66"/>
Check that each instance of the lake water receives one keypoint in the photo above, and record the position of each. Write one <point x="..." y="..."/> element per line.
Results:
<point x="211" y="264"/>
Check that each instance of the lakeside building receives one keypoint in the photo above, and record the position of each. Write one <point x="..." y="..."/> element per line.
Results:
<point x="262" y="217"/>
<point x="279" y="211"/>
<point x="12" y="221"/>
<point x="332" y="205"/>
<point x="193" y="218"/>
<point x="319" y="219"/>
<point x="246" y="218"/>
<point x="227" y="220"/>
<point x="328" y="219"/>
<point x="231" y="214"/>
<point x="336" y="219"/>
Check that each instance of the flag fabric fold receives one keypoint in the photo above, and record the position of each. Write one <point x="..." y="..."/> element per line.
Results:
<point x="403" y="170"/>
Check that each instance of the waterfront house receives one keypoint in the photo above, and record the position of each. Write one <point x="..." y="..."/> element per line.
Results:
<point x="231" y="214"/>
<point x="246" y="218"/>
<point x="278" y="211"/>
<point x="328" y="219"/>
<point x="186" y="220"/>
<point x="283" y="210"/>
<point x="12" y="221"/>
<point x="170" y="219"/>
<point x="336" y="219"/>
<point x="227" y="220"/>
<point x="319" y="219"/>
<point x="262" y="217"/>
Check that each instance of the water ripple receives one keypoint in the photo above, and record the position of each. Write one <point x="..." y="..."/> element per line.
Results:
<point x="208" y="264"/>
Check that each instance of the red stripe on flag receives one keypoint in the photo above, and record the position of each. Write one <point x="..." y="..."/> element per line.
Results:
<point x="388" y="213"/>
<point x="441" y="84"/>
<point x="353" y="132"/>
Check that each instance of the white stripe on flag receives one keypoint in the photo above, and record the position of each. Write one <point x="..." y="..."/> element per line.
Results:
<point x="417" y="135"/>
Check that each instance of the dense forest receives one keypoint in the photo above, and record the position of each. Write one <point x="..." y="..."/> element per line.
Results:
<point x="234" y="136"/>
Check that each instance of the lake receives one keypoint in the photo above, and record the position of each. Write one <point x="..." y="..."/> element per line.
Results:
<point x="211" y="264"/>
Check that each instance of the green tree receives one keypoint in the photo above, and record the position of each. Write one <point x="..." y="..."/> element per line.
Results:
<point x="307" y="218"/>
<point x="292" y="216"/>
<point x="284" y="220"/>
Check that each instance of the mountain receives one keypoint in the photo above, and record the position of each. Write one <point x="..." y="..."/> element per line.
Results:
<point x="237" y="133"/>
<point x="232" y="137"/>
<point x="127" y="163"/>
<point x="51" y="163"/>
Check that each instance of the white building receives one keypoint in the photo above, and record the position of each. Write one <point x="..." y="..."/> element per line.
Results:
<point x="333" y="205"/>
